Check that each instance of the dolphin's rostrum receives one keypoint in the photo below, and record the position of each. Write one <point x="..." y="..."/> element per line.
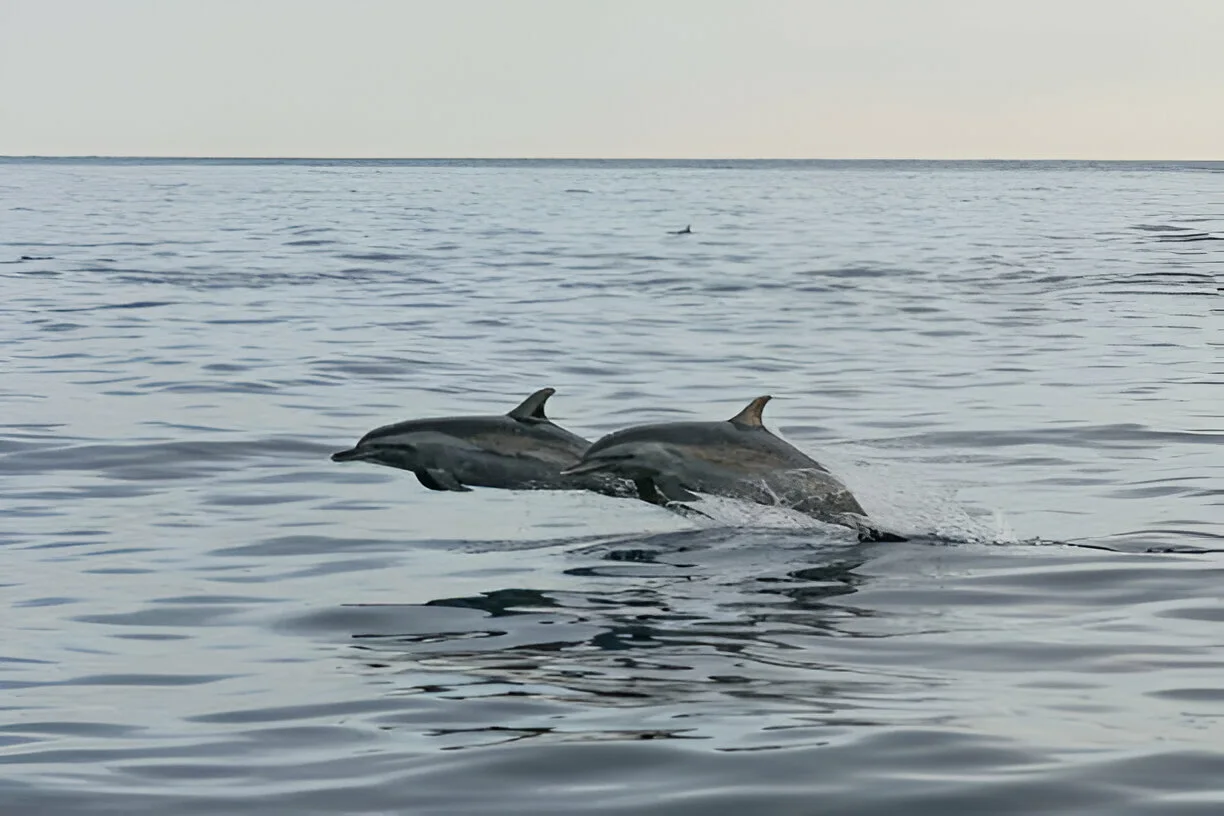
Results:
<point x="738" y="459"/>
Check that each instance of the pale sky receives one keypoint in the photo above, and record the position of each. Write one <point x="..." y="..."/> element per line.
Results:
<point x="1104" y="79"/>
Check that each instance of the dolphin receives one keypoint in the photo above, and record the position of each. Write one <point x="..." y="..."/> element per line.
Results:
<point x="520" y="450"/>
<point x="738" y="459"/>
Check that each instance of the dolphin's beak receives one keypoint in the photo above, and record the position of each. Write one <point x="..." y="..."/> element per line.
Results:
<point x="348" y="455"/>
<point x="584" y="467"/>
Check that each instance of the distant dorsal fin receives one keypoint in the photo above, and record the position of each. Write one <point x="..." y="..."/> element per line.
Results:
<point x="533" y="406"/>
<point x="750" y="417"/>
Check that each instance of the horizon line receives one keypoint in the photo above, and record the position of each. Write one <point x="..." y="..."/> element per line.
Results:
<point x="594" y="158"/>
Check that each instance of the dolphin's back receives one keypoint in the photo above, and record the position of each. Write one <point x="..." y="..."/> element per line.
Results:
<point x="721" y="444"/>
<point x="497" y="434"/>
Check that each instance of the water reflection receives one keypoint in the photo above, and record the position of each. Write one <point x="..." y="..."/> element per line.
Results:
<point x="680" y="625"/>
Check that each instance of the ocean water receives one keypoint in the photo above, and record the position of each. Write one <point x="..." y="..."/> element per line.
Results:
<point x="1017" y="364"/>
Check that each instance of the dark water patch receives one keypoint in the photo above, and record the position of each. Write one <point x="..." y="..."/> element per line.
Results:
<point x="1193" y="695"/>
<point x="398" y="621"/>
<point x="176" y="615"/>
<point x="1149" y="491"/>
<point x="212" y="599"/>
<point x="314" y="711"/>
<point x="239" y="321"/>
<point x="381" y="367"/>
<point x="36" y="602"/>
<point x="850" y="272"/>
<point x="1191" y="237"/>
<point x="38" y="273"/>
<point x="10" y="445"/>
<point x="248" y="500"/>
<point x="299" y="230"/>
<point x="1211" y="613"/>
<point x="18" y="661"/>
<point x="119" y="571"/>
<point x="70" y="728"/>
<point x="333" y="568"/>
<point x="307" y="545"/>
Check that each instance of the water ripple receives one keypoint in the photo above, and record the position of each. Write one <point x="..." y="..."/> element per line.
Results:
<point x="1017" y="364"/>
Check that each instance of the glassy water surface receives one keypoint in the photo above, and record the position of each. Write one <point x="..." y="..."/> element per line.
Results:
<point x="1019" y="365"/>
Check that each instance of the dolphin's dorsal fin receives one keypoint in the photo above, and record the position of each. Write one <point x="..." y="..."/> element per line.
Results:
<point x="750" y="417"/>
<point x="533" y="406"/>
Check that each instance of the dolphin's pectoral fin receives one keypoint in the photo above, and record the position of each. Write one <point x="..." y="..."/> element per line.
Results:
<point x="532" y="408"/>
<point x="684" y="511"/>
<point x="663" y="491"/>
<point x="647" y="492"/>
<point x="436" y="479"/>
<point x="672" y="490"/>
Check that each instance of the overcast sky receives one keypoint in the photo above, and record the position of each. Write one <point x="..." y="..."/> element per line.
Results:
<point x="614" y="78"/>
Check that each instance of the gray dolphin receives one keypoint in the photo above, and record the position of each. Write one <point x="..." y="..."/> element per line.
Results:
<point x="738" y="459"/>
<point x="521" y="450"/>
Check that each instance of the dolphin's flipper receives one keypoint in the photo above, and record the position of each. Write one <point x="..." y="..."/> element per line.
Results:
<point x="532" y="407"/>
<point x="673" y="491"/>
<point x="436" y="479"/>
<point x="684" y="511"/>
<point x="663" y="491"/>
<point x="750" y="417"/>
<point x="647" y="492"/>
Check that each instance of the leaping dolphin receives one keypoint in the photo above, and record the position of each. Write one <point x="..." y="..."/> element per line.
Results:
<point x="521" y="450"/>
<point x="738" y="459"/>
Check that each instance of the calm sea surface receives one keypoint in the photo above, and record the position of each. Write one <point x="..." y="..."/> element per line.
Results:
<point x="1019" y="365"/>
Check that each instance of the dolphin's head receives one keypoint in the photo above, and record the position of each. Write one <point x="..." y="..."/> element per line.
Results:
<point x="382" y="446"/>
<point x="627" y="458"/>
<point x="371" y="451"/>
<point x="350" y="455"/>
